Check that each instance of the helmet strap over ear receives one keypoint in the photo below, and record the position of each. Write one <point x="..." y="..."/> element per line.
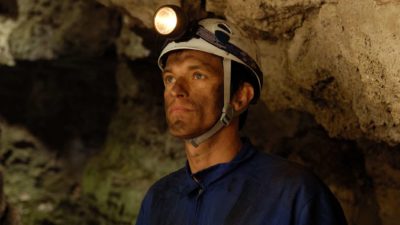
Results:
<point x="228" y="113"/>
<point x="227" y="110"/>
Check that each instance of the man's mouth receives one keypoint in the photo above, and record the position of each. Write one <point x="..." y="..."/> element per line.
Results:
<point x="178" y="109"/>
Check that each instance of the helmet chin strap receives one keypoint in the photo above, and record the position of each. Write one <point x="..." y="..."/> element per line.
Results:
<point x="228" y="113"/>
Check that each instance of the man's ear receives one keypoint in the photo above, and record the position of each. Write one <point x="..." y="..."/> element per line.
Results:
<point x="243" y="97"/>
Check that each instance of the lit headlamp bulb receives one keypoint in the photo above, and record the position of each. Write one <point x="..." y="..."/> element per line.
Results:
<point x="170" y="20"/>
<point x="165" y="20"/>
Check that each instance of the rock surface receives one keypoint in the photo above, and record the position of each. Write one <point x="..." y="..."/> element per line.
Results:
<point x="335" y="59"/>
<point x="45" y="29"/>
<point x="8" y="215"/>
<point x="133" y="159"/>
<point x="52" y="124"/>
<point x="330" y="102"/>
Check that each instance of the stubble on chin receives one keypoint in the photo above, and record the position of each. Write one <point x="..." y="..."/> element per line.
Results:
<point x="178" y="129"/>
<point x="178" y="125"/>
<point x="175" y="126"/>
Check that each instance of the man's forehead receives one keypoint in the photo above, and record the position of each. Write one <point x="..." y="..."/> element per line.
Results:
<point x="199" y="57"/>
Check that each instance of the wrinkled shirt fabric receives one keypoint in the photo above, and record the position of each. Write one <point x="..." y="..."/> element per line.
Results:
<point x="255" y="188"/>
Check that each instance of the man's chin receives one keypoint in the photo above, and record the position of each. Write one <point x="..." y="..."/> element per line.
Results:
<point x="179" y="129"/>
<point x="182" y="135"/>
<point x="185" y="134"/>
<point x="184" y="131"/>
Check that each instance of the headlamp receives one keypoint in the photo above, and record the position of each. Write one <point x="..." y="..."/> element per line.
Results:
<point x="170" y="21"/>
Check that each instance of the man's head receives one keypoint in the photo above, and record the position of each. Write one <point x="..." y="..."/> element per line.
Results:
<point x="222" y="53"/>
<point x="193" y="92"/>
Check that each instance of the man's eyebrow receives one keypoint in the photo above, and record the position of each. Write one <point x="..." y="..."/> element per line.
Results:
<point x="166" y="70"/>
<point x="198" y="64"/>
<point x="201" y="65"/>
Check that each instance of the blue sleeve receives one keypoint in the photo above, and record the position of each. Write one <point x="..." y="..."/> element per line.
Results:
<point x="141" y="219"/>
<point x="322" y="209"/>
<point x="144" y="213"/>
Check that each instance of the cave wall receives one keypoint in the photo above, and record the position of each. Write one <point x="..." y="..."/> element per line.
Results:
<point x="82" y="130"/>
<point x="335" y="59"/>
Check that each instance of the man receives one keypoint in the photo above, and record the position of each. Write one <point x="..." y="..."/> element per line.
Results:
<point x="226" y="180"/>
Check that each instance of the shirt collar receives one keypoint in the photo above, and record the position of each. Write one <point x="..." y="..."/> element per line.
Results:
<point x="208" y="176"/>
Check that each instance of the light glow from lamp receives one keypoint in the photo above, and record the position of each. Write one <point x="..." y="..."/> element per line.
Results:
<point x="165" y="20"/>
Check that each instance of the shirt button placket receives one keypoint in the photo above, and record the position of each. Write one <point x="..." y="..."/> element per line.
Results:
<point x="198" y="206"/>
<point x="198" y="201"/>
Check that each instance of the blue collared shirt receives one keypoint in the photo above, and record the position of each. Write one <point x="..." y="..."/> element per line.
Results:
<point x="255" y="188"/>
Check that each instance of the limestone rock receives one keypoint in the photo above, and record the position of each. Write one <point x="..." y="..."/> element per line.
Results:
<point x="3" y="204"/>
<point x="7" y="26"/>
<point x="130" y="44"/>
<point x="335" y="59"/>
<point x="382" y="163"/>
<point x="217" y="7"/>
<point x="8" y="214"/>
<point x="343" y="64"/>
<point x="47" y="29"/>
<point x="139" y="11"/>
<point x="117" y="178"/>
<point x="274" y="19"/>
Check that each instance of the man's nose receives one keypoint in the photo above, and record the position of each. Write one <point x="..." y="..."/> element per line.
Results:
<point x="179" y="88"/>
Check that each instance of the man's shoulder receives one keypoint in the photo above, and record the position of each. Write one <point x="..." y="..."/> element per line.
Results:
<point x="264" y="162"/>
<point x="281" y="182"/>
<point x="269" y="168"/>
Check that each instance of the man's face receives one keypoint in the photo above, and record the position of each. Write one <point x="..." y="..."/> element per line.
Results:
<point x="193" y="92"/>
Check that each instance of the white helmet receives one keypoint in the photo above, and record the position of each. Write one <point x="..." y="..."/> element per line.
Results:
<point x="221" y="38"/>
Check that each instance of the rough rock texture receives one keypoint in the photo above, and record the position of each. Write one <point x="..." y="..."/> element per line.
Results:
<point x="53" y="99"/>
<point x="45" y="29"/>
<point x="129" y="44"/>
<point x="382" y="164"/>
<point x="339" y="163"/>
<point x="270" y="19"/>
<point x="26" y="170"/>
<point x="41" y="187"/>
<point x="52" y="124"/>
<point x="143" y="152"/>
<point x="141" y="11"/>
<point x="340" y="64"/>
<point x="334" y="59"/>
<point x="344" y="63"/>
<point x="8" y="215"/>
<point x="331" y="72"/>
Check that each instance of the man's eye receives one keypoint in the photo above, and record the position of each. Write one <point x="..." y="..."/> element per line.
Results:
<point x="169" y="79"/>
<point x="198" y="76"/>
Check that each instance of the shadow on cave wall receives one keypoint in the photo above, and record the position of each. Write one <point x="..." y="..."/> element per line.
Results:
<point x="68" y="99"/>
<point x="9" y="8"/>
<point x="60" y="101"/>
<point x="340" y="163"/>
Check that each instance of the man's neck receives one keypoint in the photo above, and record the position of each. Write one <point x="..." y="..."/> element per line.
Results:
<point x="220" y="148"/>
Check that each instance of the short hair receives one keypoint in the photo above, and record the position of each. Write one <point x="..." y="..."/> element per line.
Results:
<point x="241" y="74"/>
